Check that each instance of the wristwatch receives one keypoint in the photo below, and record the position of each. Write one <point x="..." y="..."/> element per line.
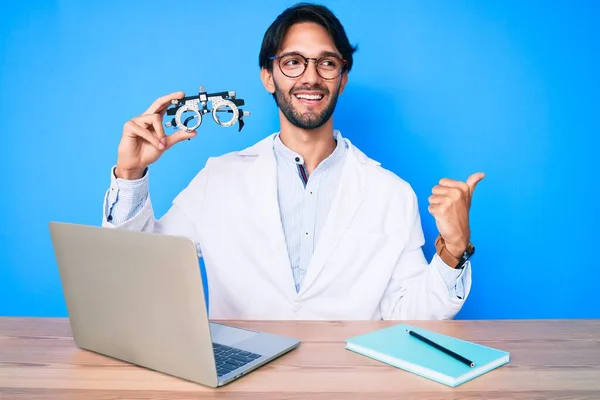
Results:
<point x="457" y="263"/>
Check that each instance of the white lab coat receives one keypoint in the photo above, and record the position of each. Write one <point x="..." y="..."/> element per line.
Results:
<point x="368" y="263"/>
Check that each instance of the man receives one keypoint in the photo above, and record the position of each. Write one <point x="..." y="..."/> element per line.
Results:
<point x="302" y="225"/>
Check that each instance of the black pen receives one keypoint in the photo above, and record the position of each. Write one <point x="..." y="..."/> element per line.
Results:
<point x="441" y="348"/>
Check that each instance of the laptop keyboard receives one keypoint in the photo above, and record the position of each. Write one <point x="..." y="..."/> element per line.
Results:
<point x="229" y="358"/>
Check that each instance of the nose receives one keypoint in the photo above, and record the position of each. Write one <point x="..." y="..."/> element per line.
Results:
<point x="310" y="76"/>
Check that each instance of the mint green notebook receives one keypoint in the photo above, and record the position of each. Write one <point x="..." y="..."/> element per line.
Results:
<point x="396" y="347"/>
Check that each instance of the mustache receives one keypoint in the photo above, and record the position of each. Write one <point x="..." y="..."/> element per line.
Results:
<point x="317" y="87"/>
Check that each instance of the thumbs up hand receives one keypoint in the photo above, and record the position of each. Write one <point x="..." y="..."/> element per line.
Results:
<point x="449" y="204"/>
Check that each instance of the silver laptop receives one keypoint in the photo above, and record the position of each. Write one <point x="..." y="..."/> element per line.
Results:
<point x="138" y="297"/>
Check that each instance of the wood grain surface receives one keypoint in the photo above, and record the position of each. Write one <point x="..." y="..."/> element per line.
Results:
<point x="550" y="359"/>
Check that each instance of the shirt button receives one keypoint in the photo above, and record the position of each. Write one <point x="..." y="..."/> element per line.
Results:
<point x="297" y="159"/>
<point x="297" y="307"/>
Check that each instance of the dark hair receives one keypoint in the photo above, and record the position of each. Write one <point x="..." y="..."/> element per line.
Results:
<point x="304" y="12"/>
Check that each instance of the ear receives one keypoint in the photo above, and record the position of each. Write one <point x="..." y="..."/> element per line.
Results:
<point x="344" y="81"/>
<point x="267" y="79"/>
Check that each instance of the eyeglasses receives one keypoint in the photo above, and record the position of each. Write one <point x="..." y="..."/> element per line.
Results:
<point x="293" y="65"/>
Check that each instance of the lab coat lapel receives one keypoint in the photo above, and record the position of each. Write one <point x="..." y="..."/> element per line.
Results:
<point x="351" y="192"/>
<point x="264" y="204"/>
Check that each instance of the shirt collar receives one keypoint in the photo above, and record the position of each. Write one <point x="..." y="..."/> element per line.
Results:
<point x="282" y="151"/>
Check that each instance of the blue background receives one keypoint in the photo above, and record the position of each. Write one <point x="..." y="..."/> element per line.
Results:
<point x="439" y="89"/>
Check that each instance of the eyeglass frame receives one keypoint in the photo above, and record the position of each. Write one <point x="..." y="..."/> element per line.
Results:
<point x="307" y="59"/>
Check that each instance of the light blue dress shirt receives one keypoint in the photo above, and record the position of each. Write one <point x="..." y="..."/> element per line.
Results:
<point x="304" y="202"/>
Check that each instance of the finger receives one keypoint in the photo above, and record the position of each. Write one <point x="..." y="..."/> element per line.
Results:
<point x="453" y="183"/>
<point x="150" y="120"/>
<point x="154" y="121"/>
<point x="178" y="137"/>
<point x="453" y="192"/>
<point x="162" y="103"/>
<point x="439" y="199"/>
<point x="158" y="128"/>
<point x="440" y="189"/>
<point x="474" y="179"/>
<point x="435" y="209"/>
<point x="134" y="129"/>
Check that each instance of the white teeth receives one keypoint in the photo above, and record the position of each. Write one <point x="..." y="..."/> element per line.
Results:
<point x="309" y="96"/>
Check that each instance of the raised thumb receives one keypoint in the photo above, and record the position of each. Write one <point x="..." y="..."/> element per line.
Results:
<point x="474" y="179"/>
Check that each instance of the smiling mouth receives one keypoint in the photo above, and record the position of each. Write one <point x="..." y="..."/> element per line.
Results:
<point x="310" y="99"/>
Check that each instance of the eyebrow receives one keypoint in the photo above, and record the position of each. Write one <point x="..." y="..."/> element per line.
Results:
<point x="322" y="54"/>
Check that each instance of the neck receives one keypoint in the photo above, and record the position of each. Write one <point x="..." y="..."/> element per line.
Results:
<point x="313" y="145"/>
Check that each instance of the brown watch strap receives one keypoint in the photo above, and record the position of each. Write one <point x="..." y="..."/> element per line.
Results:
<point x="440" y="247"/>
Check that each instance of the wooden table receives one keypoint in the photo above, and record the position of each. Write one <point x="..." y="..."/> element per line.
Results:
<point x="554" y="359"/>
